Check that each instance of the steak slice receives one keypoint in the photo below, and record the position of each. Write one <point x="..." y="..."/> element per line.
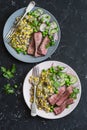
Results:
<point x="58" y="110"/>
<point x="37" y="39"/>
<point x="31" y="47"/>
<point x="55" y="97"/>
<point x="52" y="99"/>
<point x="42" y="49"/>
<point x="64" y="96"/>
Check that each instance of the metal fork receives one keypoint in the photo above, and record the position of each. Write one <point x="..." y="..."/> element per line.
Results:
<point x="28" y="9"/>
<point x="35" y="73"/>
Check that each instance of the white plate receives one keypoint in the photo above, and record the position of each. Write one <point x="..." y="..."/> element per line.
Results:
<point x="27" y="86"/>
<point x="28" y="58"/>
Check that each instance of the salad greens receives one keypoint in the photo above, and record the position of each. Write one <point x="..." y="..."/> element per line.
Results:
<point x="42" y="22"/>
<point x="61" y="78"/>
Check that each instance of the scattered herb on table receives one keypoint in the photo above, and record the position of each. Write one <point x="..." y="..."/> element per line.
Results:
<point x="8" y="73"/>
<point x="8" y="89"/>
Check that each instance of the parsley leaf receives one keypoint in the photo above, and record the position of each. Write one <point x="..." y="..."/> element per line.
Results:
<point x="8" y="73"/>
<point x="8" y="89"/>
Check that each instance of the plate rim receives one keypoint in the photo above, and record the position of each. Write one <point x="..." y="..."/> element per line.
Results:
<point x="40" y="58"/>
<point x="55" y="115"/>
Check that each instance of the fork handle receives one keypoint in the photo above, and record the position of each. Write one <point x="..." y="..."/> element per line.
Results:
<point x="28" y="9"/>
<point x="33" y="106"/>
<point x="34" y="93"/>
<point x="33" y="109"/>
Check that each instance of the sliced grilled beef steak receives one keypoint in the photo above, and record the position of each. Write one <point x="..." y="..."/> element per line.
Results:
<point x="42" y="49"/>
<point x="64" y="96"/>
<point x="54" y="98"/>
<point x="37" y="39"/>
<point x="58" y="110"/>
<point x="31" y="47"/>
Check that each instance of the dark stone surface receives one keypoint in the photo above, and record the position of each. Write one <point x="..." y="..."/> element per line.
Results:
<point x="72" y="17"/>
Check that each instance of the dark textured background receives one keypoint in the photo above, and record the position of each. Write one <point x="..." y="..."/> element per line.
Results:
<point x="72" y="17"/>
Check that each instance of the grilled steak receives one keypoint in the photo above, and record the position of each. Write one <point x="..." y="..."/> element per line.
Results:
<point x="37" y="39"/>
<point x="54" y="98"/>
<point x="31" y="47"/>
<point x="64" y="96"/>
<point x="42" y="49"/>
<point x="58" y="110"/>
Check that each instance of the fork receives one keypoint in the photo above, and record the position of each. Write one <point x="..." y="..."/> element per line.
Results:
<point x="28" y="9"/>
<point x="35" y="73"/>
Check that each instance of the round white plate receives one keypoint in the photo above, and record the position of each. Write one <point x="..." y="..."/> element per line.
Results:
<point x="22" y="57"/>
<point x="27" y="86"/>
